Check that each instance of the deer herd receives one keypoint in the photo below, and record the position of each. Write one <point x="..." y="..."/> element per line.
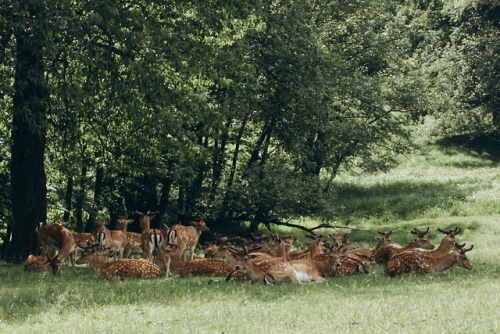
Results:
<point x="111" y="254"/>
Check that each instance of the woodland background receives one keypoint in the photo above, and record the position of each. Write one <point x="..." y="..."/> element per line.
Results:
<point x="239" y="111"/>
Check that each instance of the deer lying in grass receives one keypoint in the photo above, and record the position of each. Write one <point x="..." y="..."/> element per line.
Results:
<point x="300" y="271"/>
<point x="56" y="237"/>
<point x="383" y="252"/>
<point x="36" y="263"/>
<point x="188" y="236"/>
<point x="98" y="260"/>
<point x="421" y="263"/>
<point x="251" y="263"/>
<point x="340" y="241"/>
<point x="315" y="248"/>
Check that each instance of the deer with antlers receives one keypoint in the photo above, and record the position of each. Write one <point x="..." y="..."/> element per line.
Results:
<point x="249" y="261"/>
<point x="56" y="237"/>
<point x="384" y="251"/>
<point x="188" y="236"/>
<point x="301" y="271"/>
<point x="98" y="260"/>
<point x="421" y="263"/>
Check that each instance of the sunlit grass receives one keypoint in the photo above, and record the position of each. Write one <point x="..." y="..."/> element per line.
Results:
<point x="441" y="189"/>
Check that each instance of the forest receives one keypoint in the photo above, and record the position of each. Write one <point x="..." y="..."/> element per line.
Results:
<point x="241" y="112"/>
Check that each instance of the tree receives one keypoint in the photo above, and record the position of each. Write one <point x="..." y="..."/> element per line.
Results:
<point x="30" y="103"/>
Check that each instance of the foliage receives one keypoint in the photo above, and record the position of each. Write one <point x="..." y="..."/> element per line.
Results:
<point x="245" y="111"/>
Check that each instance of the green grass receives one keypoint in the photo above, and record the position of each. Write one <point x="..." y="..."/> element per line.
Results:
<point x="443" y="188"/>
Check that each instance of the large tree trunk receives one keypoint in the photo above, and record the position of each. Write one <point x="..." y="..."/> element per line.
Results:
<point x="28" y="180"/>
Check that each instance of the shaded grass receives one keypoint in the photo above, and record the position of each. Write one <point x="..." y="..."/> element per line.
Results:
<point x="458" y="301"/>
<point x="445" y="188"/>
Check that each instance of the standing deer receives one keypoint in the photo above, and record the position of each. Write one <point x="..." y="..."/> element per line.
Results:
<point x="98" y="260"/>
<point x="115" y="240"/>
<point x="421" y="263"/>
<point x="56" y="237"/>
<point x="188" y="236"/>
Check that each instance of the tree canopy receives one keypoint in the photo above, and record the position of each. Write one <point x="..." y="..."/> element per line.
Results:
<point x="241" y="111"/>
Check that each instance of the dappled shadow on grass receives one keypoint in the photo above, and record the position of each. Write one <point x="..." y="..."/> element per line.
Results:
<point x="484" y="147"/>
<point x="397" y="200"/>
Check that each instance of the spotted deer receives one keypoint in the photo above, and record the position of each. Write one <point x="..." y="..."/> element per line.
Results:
<point x="315" y="248"/>
<point x="421" y="263"/>
<point x="200" y="267"/>
<point x="301" y="271"/>
<point x="447" y="244"/>
<point x="80" y="238"/>
<point x="252" y="263"/>
<point x="188" y="236"/>
<point x="383" y="252"/>
<point x="56" y="237"/>
<point x="115" y="240"/>
<point x="98" y="260"/>
<point x="36" y="263"/>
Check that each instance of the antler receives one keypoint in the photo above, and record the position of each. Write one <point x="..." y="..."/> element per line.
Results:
<point x="462" y="247"/>
<point x="418" y="232"/>
<point x="90" y="245"/>
<point x="454" y="232"/>
<point x="386" y="234"/>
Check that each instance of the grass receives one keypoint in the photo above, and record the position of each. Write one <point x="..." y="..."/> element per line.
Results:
<point x="443" y="188"/>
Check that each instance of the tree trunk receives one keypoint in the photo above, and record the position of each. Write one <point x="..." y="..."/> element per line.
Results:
<point x="30" y="101"/>
<point x="68" y="199"/>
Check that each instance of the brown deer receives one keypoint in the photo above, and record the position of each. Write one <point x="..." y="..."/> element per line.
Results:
<point x="200" y="267"/>
<point x="383" y="252"/>
<point x="115" y="240"/>
<point x="252" y="263"/>
<point x="341" y="240"/>
<point x="56" y="237"/>
<point x="315" y="248"/>
<point x="36" y="263"/>
<point x="300" y="271"/>
<point x="421" y="263"/>
<point x="80" y="238"/>
<point x="447" y="244"/>
<point x="151" y="239"/>
<point x="98" y="260"/>
<point x="188" y="236"/>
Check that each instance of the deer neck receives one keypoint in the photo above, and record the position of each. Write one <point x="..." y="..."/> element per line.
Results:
<point x="145" y="225"/>
<point x="443" y="263"/>
<point x="281" y="251"/>
<point x="443" y="249"/>
<point x="315" y="249"/>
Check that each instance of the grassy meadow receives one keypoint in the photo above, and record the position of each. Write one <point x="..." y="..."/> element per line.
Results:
<point x="440" y="187"/>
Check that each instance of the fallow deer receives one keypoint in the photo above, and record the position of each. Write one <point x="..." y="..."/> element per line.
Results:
<point x="36" y="263"/>
<point x="83" y="239"/>
<point x="254" y="264"/>
<point x="98" y="260"/>
<point x="420" y="263"/>
<point x="300" y="271"/>
<point x="361" y="254"/>
<point x="447" y="244"/>
<point x="115" y="240"/>
<point x="188" y="236"/>
<point x="383" y="252"/>
<point x="315" y="248"/>
<point x="56" y="237"/>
